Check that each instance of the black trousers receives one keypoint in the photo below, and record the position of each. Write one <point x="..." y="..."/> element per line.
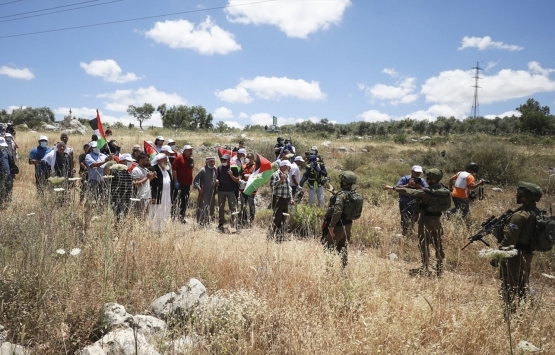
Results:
<point x="183" y="193"/>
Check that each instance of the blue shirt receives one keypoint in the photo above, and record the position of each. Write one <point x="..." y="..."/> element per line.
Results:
<point x="405" y="180"/>
<point x="95" y="173"/>
<point x="38" y="153"/>
<point x="5" y="162"/>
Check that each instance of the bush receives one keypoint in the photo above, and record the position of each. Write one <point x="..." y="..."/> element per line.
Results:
<point x="400" y="139"/>
<point x="306" y="221"/>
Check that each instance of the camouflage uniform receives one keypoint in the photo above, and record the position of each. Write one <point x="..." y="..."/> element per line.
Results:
<point x="341" y="226"/>
<point x="517" y="232"/>
<point x="430" y="231"/>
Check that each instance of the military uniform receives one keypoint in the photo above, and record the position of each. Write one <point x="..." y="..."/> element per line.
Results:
<point x="341" y="226"/>
<point x="517" y="232"/>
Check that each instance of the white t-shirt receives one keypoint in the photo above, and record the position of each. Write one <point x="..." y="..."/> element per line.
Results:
<point x="295" y="171"/>
<point x="143" y="191"/>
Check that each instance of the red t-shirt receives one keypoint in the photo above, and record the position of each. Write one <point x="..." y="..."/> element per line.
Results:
<point x="184" y="170"/>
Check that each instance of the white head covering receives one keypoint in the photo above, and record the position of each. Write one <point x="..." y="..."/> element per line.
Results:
<point x="417" y="169"/>
<point x="242" y="151"/>
<point x="3" y="142"/>
<point x="158" y="157"/>
<point x="166" y="148"/>
<point x="284" y="163"/>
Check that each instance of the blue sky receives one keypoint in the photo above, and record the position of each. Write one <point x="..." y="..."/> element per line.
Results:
<point x="345" y="60"/>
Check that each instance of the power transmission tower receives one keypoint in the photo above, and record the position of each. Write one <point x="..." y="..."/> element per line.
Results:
<point x="475" y="104"/>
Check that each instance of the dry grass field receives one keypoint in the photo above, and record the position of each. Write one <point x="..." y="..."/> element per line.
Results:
<point x="297" y="299"/>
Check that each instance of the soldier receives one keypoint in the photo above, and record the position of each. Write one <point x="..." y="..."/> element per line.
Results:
<point x="336" y="232"/>
<point x="434" y="200"/>
<point x="517" y="232"/>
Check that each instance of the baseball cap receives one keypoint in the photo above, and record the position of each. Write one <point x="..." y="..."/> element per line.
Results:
<point x="187" y="146"/>
<point x="170" y="141"/>
<point x="166" y="148"/>
<point x="314" y="147"/>
<point x="3" y="142"/>
<point x="417" y="169"/>
<point x="299" y="158"/>
<point x="126" y="157"/>
<point x="285" y="163"/>
<point x="160" y="138"/>
<point x="43" y="138"/>
<point x="242" y="151"/>
<point x="7" y="135"/>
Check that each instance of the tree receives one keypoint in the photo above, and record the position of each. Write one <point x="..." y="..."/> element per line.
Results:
<point x="176" y="117"/>
<point x="535" y="118"/>
<point x="141" y="113"/>
<point x="221" y="127"/>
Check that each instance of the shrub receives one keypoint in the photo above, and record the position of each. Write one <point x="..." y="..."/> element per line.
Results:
<point x="306" y="221"/>
<point x="400" y="139"/>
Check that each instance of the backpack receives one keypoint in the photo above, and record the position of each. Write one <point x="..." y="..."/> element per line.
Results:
<point x="353" y="205"/>
<point x="440" y="200"/>
<point x="543" y="238"/>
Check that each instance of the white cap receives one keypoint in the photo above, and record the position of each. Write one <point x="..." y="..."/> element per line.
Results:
<point x="314" y="147"/>
<point x="3" y="142"/>
<point x="93" y="144"/>
<point x="285" y="163"/>
<point x="126" y="157"/>
<point x="417" y="169"/>
<point x="299" y="158"/>
<point x="170" y="141"/>
<point x="187" y="146"/>
<point x="242" y="151"/>
<point x="43" y="138"/>
<point x="166" y="148"/>
<point x="7" y="135"/>
<point x="160" y="138"/>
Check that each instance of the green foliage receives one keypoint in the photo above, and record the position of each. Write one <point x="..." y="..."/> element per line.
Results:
<point x="141" y="113"/>
<point x="400" y="139"/>
<point x="535" y="118"/>
<point x="29" y="115"/>
<point x="306" y="221"/>
<point x="184" y="117"/>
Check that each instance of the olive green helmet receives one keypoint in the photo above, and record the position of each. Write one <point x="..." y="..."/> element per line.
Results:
<point x="530" y="191"/>
<point x="348" y="176"/>
<point x="434" y="173"/>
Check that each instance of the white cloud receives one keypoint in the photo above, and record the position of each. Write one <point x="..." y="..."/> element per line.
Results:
<point x="233" y="124"/>
<point x="491" y="65"/>
<point x="272" y="88"/>
<point x="504" y="114"/>
<point x="483" y="43"/>
<point x="13" y="107"/>
<point x="390" y="71"/>
<point x="222" y="113"/>
<point x="119" y="100"/>
<point x="374" y="116"/>
<point x="457" y="111"/>
<point x="402" y="93"/>
<point x="14" y="73"/>
<point x="238" y="95"/>
<point x="109" y="70"/>
<point x="206" y="38"/>
<point x="361" y="86"/>
<point x="295" y="18"/>
<point x="243" y="115"/>
<point x="454" y="87"/>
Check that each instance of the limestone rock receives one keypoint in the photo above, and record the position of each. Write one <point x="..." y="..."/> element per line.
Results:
<point x="49" y="127"/>
<point x="353" y="150"/>
<point x="182" y="302"/>
<point x="115" y="315"/>
<point x="326" y="143"/>
<point x="3" y="334"/>
<point x="425" y="138"/>
<point x="497" y="189"/>
<point x="8" y="348"/>
<point x="342" y="149"/>
<point x="148" y="324"/>
<point x="124" y="342"/>
<point x="364" y="150"/>
<point x="393" y="257"/>
<point x="94" y="349"/>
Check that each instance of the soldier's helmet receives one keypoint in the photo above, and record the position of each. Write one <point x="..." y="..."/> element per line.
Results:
<point x="279" y="139"/>
<point x="348" y="176"/>
<point x="473" y="167"/>
<point x="434" y="173"/>
<point x="530" y="191"/>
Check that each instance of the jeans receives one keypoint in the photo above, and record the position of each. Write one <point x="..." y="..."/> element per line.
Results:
<point x="183" y="193"/>
<point x="313" y="193"/>
<point x="231" y="202"/>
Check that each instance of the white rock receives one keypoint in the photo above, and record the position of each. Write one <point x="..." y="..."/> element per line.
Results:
<point x="326" y="143"/>
<point x="124" y="342"/>
<point x="425" y="138"/>
<point x="3" y="334"/>
<point x="392" y="256"/>
<point x="364" y="150"/>
<point x="378" y="228"/>
<point x="243" y="135"/>
<point x="8" y="348"/>
<point x="49" y="127"/>
<point x="353" y="150"/>
<point x="414" y="140"/>
<point x="148" y="324"/>
<point x="342" y="149"/>
<point x="115" y="314"/>
<point x="183" y="302"/>
<point x="497" y="189"/>
<point x="94" y="349"/>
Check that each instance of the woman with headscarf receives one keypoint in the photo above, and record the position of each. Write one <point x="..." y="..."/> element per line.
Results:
<point x="160" y="188"/>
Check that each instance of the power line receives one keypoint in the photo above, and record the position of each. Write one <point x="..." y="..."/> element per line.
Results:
<point x="55" y="12"/>
<point x="11" y="2"/>
<point x="49" y="8"/>
<point x="134" y="19"/>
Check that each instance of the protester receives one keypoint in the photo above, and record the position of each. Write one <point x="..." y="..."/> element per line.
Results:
<point x="247" y="201"/>
<point x="281" y="198"/>
<point x="205" y="183"/>
<point x="461" y="183"/>
<point x="137" y="150"/>
<point x="241" y="145"/>
<point x="94" y="162"/>
<point x="83" y="172"/>
<point x="141" y="179"/>
<point x="278" y="146"/>
<point x="160" y="191"/>
<point x="408" y="204"/>
<point x="65" y="138"/>
<point x="12" y="146"/>
<point x="296" y="174"/>
<point x="59" y="161"/>
<point x="121" y="185"/>
<point x="227" y="180"/>
<point x="182" y="171"/>
<point x="159" y="143"/>
<point x="173" y="155"/>
<point x="41" y="168"/>
<point x="239" y="159"/>
<point x="6" y="176"/>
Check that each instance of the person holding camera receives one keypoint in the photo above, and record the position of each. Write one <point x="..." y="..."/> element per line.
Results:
<point x="461" y="184"/>
<point x="408" y="205"/>
<point x="314" y="174"/>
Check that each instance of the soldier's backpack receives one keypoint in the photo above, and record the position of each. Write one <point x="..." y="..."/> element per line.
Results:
<point x="543" y="238"/>
<point x="353" y="205"/>
<point x="440" y="200"/>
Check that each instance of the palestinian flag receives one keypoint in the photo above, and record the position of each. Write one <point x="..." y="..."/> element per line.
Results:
<point x="261" y="176"/>
<point x="222" y="152"/>
<point x="149" y="150"/>
<point x="96" y="126"/>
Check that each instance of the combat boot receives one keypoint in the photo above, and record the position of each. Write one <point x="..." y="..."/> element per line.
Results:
<point x="421" y="272"/>
<point x="439" y="269"/>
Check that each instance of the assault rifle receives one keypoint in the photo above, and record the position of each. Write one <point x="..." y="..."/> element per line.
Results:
<point x="489" y="226"/>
